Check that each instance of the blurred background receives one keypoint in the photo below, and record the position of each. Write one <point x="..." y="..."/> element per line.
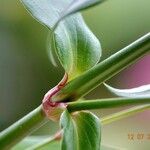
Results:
<point x="26" y="72"/>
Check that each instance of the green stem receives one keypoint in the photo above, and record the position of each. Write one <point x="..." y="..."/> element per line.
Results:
<point x="46" y="142"/>
<point x="36" y="118"/>
<point x="124" y="114"/>
<point x="22" y="128"/>
<point x="104" y="71"/>
<point x="104" y="121"/>
<point x="105" y="103"/>
<point x="76" y="89"/>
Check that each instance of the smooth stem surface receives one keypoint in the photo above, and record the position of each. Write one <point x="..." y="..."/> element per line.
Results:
<point x="55" y="137"/>
<point x="106" y="120"/>
<point x="124" y="114"/>
<point x="105" y="103"/>
<point x="43" y="143"/>
<point x="77" y="88"/>
<point x="22" y="128"/>
<point x="36" y="118"/>
<point x="104" y="70"/>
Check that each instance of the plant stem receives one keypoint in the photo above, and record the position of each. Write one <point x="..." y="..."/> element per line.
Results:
<point x="104" y="121"/>
<point x="105" y="103"/>
<point x="76" y="89"/>
<point x="47" y="141"/>
<point x="124" y="114"/>
<point x="22" y="128"/>
<point x="104" y="70"/>
<point x="36" y="118"/>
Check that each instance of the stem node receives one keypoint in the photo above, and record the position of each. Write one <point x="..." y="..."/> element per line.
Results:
<point x="54" y="109"/>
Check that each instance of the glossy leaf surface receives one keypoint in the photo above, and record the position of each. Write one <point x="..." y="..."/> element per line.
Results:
<point x="80" y="131"/>
<point x="138" y="92"/>
<point x="76" y="46"/>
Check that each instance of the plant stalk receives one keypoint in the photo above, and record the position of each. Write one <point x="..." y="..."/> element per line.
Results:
<point x="76" y="89"/>
<point x="104" y="121"/>
<point x="103" y="71"/>
<point x="22" y="128"/>
<point x="36" y="118"/>
<point x="105" y="103"/>
<point x="47" y="141"/>
<point x="124" y="114"/>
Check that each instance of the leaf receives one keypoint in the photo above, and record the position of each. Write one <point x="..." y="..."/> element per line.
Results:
<point x="138" y="92"/>
<point x="78" y="5"/>
<point x="76" y="46"/>
<point x="81" y="131"/>
<point x="50" y="50"/>
<point x="30" y="141"/>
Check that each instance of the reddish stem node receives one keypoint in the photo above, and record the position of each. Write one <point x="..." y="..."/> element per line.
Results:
<point x="53" y="109"/>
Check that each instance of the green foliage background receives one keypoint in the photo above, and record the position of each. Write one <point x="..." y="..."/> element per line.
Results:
<point x="26" y="73"/>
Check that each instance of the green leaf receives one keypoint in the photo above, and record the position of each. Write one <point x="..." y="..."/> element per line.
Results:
<point x="76" y="46"/>
<point x="78" y="5"/>
<point x="81" y="130"/>
<point x="103" y="71"/>
<point x="138" y="92"/>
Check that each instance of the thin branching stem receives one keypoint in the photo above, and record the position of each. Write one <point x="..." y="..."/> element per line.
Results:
<point x="104" y="121"/>
<point x="124" y="114"/>
<point x="105" y="103"/>
<point x="77" y="88"/>
<point x="47" y="141"/>
<point x="103" y="71"/>
<point x="22" y="128"/>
